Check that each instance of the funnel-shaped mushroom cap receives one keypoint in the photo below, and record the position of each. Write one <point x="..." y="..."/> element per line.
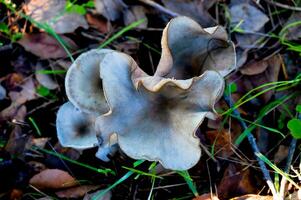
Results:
<point x="83" y="84"/>
<point x="75" y="128"/>
<point x="188" y="50"/>
<point x="155" y="118"/>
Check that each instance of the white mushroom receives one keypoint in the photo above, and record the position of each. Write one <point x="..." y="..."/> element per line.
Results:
<point x="83" y="84"/>
<point x="188" y="50"/>
<point x="155" y="119"/>
<point x="75" y="128"/>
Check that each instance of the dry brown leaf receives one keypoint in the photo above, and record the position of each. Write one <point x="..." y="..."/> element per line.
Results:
<point x="45" y="46"/>
<point x="27" y="92"/>
<point x="254" y="67"/>
<point x="92" y="196"/>
<point x="196" y="9"/>
<point x="53" y="13"/>
<point x="249" y="17"/>
<point x="76" y="192"/>
<point x="281" y="154"/>
<point x="135" y="13"/>
<point x="221" y="141"/>
<point x="294" y="32"/>
<point x="45" y="80"/>
<point x="16" y="142"/>
<point x="253" y="197"/>
<point x="36" y="166"/>
<point x="206" y="197"/>
<point x="110" y="9"/>
<point x="246" y="83"/>
<point x="236" y="181"/>
<point x="52" y="179"/>
<point x="101" y="24"/>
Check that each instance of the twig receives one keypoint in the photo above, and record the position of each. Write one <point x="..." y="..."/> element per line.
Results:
<point x="287" y="167"/>
<point x="159" y="7"/>
<point x="280" y="5"/>
<point x="256" y="151"/>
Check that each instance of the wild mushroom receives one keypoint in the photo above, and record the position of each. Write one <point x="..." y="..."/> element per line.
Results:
<point x="155" y="118"/>
<point x="151" y="117"/>
<point x="75" y="128"/>
<point x="188" y="50"/>
<point x="83" y="84"/>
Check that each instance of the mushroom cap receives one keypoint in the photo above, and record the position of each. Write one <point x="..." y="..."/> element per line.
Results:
<point x="75" y="128"/>
<point x="155" y="119"/>
<point x="188" y="50"/>
<point x="83" y="84"/>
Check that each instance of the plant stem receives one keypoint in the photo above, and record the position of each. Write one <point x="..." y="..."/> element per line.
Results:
<point x="256" y="151"/>
<point x="287" y="167"/>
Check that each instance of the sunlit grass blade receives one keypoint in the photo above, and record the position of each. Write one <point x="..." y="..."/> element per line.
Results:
<point x="35" y="125"/>
<point x="123" y="178"/>
<point x="121" y="32"/>
<point x="45" y="71"/>
<point x="264" y="111"/>
<point x="142" y="172"/>
<point x="274" y="167"/>
<point x="189" y="181"/>
<point x="104" y="171"/>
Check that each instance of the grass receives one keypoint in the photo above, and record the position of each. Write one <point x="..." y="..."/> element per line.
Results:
<point x="121" y="32"/>
<point x="279" y="85"/>
<point x="104" y="171"/>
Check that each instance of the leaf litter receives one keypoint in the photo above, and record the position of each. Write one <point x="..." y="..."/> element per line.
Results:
<point x="267" y="42"/>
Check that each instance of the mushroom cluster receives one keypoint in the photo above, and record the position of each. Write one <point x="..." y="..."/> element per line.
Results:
<point x="115" y="103"/>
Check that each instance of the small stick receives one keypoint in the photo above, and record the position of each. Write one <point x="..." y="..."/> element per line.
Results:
<point x="287" y="167"/>
<point x="280" y="5"/>
<point x="256" y="151"/>
<point x="159" y="7"/>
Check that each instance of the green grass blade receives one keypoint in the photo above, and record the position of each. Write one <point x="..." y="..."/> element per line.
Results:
<point x="121" y="32"/>
<point x="104" y="171"/>
<point x="189" y="181"/>
<point x="123" y="178"/>
<point x="274" y="167"/>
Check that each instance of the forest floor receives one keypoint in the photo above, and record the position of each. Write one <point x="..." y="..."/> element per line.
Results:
<point x="250" y="152"/>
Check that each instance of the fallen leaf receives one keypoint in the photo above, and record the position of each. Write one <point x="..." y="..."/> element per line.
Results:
<point x="37" y="142"/>
<point x="16" y="142"/>
<point x="206" y="197"/>
<point x="45" y="46"/>
<point x="235" y="181"/>
<point x="135" y="13"/>
<point x="14" y="112"/>
<point x="251" y="18"/>
<point x="95" y="195"/>
<point x="27" y="92"/>
<point x="53" y="13"/>
<point x="196" y="9"/>
<point x="52" y="179"/>
<point x="110" y="9"/>
<point x="101" y="24"/>
<point x="36" y="166"/>
<point x="293" y="32"/>
<point x="253" y="197"/>
<point x="221" y="141"/>
<point x="45" y="80"/>
<point x="254" y="67"/>
<point x="246" y="83"/>
<point x="281" y="154"/>
<point x="76" y="192"/>
<point x="16" y="194"/>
